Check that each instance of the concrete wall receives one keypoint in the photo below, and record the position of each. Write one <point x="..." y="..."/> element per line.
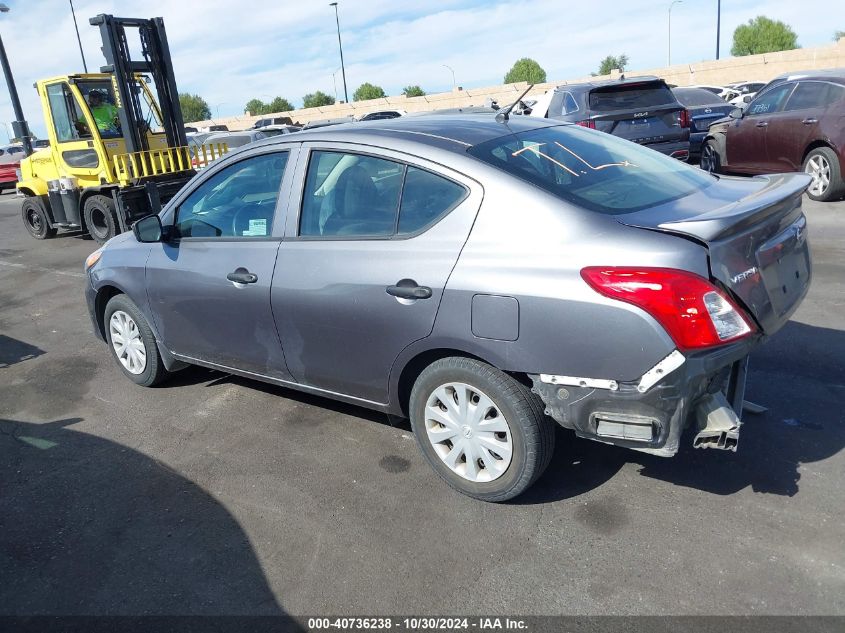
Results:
<point x="724" y="71"/>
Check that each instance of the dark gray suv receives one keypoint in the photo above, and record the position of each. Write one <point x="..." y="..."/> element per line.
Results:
<point x="486" y="278"/>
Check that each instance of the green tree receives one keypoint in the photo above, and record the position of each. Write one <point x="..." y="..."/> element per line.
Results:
<point x="762" y="35"/>
<point x="413" y="91"/>
<point x="279" y="104"/>
<point x="838" y="35"/>
<point x="254" y="106"/>
<point x="368" y="91"/>
<point x="194" y="108"/>
<point x="612" y="62"/>
<point x="526" y="69"/>
<point x="316" y="99"/>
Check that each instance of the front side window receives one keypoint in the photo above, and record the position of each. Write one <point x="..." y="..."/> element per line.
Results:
<point x="68" y="120"/>
<point x="593" y="170"/>
<point x="770" y="101"/>
<point x="363" y="196"/>
<point x="238" y="201"/>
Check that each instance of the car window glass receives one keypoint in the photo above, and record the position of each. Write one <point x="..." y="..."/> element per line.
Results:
<point x="625" y="97"/>
<point x="426" y="197"/>
<point x="350" y="194"/>
<point x="697" y="97"/>
<point x="569" y="104"/>
<point x="68" y="119"/>
<point x="594" y="170"/>
<point x="835" y="92"/>
<point x="770" y="101"/>
<point x="808" y="94"/>
<point x="237" y="201"/>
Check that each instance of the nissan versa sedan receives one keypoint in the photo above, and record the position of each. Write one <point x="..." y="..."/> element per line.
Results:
<point x="488" y="278"/>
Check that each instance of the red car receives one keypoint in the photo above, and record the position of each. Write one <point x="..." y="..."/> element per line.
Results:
<point x="10" y="162"/>
<point x="791" y="125"/>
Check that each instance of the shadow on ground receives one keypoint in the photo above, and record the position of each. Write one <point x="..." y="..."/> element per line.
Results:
<point x="91" y="527"/>
<point x="14" y="351"/>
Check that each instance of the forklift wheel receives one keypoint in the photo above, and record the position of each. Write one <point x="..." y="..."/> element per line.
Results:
<point x="99" y="218"/>
<point x="35" y="219"/>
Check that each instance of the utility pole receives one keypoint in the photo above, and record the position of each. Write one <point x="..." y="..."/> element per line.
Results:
<point x="78" y="41"/>
<point x="669" y="55"/>
<point x="718" y="24"/>
<point x="20" y="128"/>
<point x="340" y="46"/>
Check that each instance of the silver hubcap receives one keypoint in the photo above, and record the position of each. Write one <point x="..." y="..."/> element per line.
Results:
<point x="127" y="342"/>
<point x="707" y="159"/>
<point x="819" y="169"/>
<point x="468" y="432"/>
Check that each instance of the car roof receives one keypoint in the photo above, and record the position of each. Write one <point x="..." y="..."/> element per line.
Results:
<point x="827" y="73"/>
<point x="611" y="82"/>
<point x="453" y="132"/>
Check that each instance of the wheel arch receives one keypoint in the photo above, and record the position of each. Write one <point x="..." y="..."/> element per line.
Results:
<point x="101" y="300"/>
<point x="404" y="375"/>
<point x="815" y="145"/>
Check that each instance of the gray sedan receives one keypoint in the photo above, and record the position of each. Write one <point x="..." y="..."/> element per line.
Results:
<point x="488" y="278"/>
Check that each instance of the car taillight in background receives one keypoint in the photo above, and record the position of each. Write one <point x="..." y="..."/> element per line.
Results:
<point x="692" y="310"/>
<point x="684" y="118"/>
<point x="588" y="123"/>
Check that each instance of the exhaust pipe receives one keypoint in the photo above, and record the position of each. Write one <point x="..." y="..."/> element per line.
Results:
<point x="718" y="424"/>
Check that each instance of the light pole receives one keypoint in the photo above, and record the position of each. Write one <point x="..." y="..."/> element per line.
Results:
<point x="672" y="4"/>
<point x="454" y="84"/>
<point x="340" y="46"/>
<point x="20" y="127"/>
<point x="334" y="81"/>
<point x="718" y="24"/>
<point x="79" y="41"/>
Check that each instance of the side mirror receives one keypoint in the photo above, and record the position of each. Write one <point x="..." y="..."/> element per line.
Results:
<point x="148" y="229"/>
<point x="736" y="113"/>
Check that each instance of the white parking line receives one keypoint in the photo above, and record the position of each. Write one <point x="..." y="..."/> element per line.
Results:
<point x="41" y="269"/>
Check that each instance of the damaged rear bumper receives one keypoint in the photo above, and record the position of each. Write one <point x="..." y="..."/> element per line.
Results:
<point x="650" y="414"/>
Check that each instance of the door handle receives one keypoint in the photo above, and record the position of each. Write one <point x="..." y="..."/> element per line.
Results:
<point x="763" y="124"/>
<point x="809" y="121"/>
<point x="408" y="289"/>
<point x="242" y="276"/>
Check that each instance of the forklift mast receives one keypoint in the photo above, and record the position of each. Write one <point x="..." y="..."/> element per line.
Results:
<point x="123" y="69"/>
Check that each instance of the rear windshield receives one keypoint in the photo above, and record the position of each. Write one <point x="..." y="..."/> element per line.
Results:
<point x="592" y="169"/>
<point x="631" y="96"/>
<point x="696" y="97"/>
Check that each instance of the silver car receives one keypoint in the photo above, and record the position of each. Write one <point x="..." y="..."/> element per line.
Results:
<point x="488" y="278"/>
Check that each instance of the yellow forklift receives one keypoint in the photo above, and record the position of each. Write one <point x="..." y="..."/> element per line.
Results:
<point x="116" y="152"/>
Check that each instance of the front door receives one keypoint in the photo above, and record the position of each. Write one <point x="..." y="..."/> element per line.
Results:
<point x="746" y="137"/>
<point x="361" y="274"/>
<point x="209" y="284"/>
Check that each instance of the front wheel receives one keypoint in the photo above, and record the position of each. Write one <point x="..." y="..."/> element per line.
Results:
<point x="823" y="165"/>
<point x="100" y="219"/>
<point x="710" y="160"/>
<point x="132" y="342"/>
<point x="35" y="219"/>
<point x="481" y="430"/>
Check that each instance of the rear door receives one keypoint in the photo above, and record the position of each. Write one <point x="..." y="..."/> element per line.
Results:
<point x="746" y="136"/>
<point x="643" y="112"/>
<point x="209" y="284"/>
<point x="361" y="272"/>
<point x="793" y="128"/>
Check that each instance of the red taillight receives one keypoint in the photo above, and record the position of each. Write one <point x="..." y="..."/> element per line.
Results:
<point x="684" y="118"/>
<point x="588" y="123"/>
<point x="693" y="311"/>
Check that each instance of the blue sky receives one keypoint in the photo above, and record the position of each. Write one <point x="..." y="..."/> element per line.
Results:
<point x="229" y="51"/>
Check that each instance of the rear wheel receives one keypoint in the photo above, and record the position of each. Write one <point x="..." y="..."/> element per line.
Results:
<point x="100" y="219"/>
<point x="481" y="430"/>
<point x="35" y="219"/>
<point x="132" y="342"/>
<point x="823" y="165"/>
<point x="710" y="160"/>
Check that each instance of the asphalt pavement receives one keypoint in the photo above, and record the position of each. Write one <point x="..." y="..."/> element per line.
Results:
<point x="218" y="495"/>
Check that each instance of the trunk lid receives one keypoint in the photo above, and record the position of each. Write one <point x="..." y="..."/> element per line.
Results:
<point x="756" y="234"/>
<point x="703" y="116"/>
<point x="658" y="124"/>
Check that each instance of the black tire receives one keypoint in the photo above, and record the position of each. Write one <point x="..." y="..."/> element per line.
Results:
<point x="710" y="160"/>
<point x="154" y="370"/>
<point x="532" y="433"/>
<point x="35" y="218"/>
<point x="100" y="219"/>
<point x="835" y="186"/>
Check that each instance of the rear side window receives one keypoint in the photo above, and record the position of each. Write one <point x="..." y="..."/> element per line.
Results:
<point x="591" y="169"/>
<point x="628" y="97"/>
<point x="808" y="94"/>
<point x="354" y="195"/>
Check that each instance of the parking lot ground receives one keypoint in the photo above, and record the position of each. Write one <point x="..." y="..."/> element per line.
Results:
<point x="218" y="495"/>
